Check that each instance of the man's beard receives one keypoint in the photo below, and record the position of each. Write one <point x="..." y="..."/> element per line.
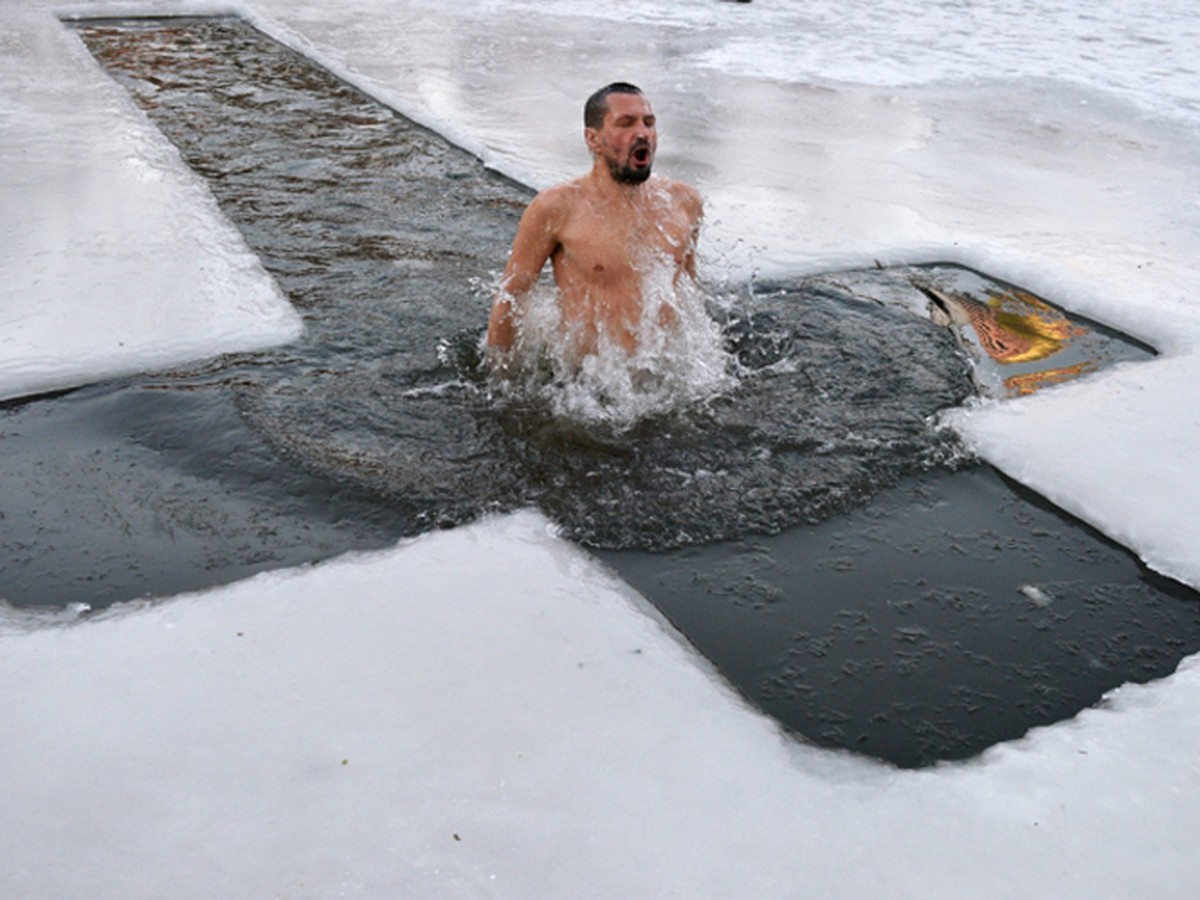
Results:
<point x="627" y="174"/>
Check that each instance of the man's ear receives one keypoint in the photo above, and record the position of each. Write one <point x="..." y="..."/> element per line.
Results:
<point x="591" y="137"/>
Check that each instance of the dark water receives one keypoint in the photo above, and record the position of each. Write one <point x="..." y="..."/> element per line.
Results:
<point x="377" y="423"/>
<point x="946" y="614"/>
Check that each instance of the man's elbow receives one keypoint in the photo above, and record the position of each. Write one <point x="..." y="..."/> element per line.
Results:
<point x="517" y="283"/>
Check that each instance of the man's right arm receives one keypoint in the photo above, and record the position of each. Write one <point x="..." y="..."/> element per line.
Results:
<point x="536" y="240"/>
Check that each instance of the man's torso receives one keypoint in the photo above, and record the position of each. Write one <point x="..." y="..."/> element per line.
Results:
<point x="607" y="248"/>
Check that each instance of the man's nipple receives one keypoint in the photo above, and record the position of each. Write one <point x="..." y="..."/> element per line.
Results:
<point x="598" y="267"/>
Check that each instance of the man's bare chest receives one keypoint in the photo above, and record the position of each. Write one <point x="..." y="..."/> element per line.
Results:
<point x="602" y="247"/>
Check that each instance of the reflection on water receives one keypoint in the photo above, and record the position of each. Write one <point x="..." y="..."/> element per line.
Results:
<point x="1018" y="342"/>
<point x="378" y="422"/>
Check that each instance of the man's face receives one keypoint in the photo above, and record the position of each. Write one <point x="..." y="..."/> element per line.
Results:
<point x="627" y="140"/>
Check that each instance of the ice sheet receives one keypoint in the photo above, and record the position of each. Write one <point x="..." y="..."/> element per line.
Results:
<point x="485" y="712"/>
<point x="115" y="257"/>
<point x="159" y="752"/>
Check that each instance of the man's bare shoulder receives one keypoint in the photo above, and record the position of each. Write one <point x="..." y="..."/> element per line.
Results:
<point x="557" y="200"/>
<point x="683" y="196"/>
<point x="551" y="210"/>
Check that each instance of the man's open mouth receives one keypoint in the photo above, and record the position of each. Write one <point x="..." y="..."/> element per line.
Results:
<point x="641" y="155"/>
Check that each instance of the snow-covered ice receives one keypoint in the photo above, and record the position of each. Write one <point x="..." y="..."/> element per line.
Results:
<point x="115" y="258"/>
<point x="485" y="712"/>
<point x="491" y="683"/>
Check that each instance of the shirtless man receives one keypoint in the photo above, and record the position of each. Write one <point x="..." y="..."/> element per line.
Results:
<point x="603" y="233"/>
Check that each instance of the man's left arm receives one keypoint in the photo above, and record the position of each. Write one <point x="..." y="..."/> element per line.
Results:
<point x="692" y="205"/>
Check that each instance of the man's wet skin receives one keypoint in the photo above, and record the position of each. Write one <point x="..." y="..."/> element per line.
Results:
<point x="604" y="233"/>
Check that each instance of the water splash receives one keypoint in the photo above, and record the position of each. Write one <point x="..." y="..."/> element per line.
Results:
<point x="680" y="359"/>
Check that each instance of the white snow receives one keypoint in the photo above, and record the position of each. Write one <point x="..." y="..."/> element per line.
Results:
<point x="484" y="712"/>
<point x="485" y="682"/>
<point x="115" y="258"/>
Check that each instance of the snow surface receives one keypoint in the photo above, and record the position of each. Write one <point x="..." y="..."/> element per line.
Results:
<point x="115" y="258"/>
<point x="486" y="682"/>
<point x="486" y="713"/>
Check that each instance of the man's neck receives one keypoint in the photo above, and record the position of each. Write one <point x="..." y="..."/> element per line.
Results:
<point x="608" y="186"/>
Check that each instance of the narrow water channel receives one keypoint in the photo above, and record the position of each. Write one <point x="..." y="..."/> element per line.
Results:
<point x="769" y="522"/>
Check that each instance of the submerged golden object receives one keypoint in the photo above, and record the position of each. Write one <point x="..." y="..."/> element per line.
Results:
<point x="1012" y="327"/>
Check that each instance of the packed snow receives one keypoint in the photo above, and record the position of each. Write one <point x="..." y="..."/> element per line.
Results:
<point x="115" y="256"/>
<point x="485" y="712"/>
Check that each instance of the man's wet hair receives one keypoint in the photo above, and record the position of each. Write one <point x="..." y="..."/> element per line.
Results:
<point x="597" y="104"/>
